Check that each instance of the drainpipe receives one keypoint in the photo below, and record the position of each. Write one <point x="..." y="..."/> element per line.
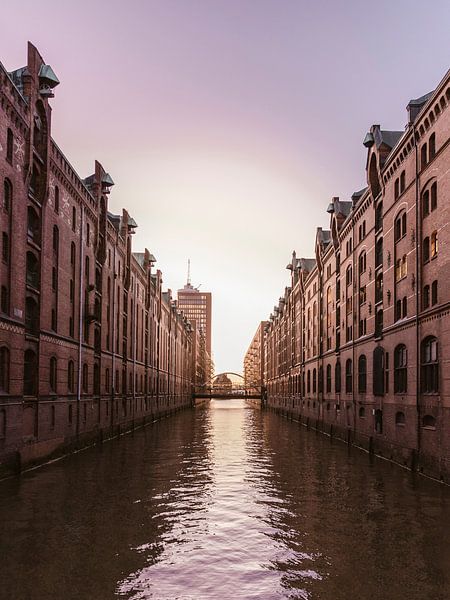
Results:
<point x="114" y="334"/>
<point x="417" y="294"/>
<point x="80" y="320"/>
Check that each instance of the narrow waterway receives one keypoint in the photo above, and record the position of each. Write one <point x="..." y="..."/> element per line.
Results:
<point x="223" y="502"/>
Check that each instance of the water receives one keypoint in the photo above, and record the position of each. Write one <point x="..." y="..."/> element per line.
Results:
<point x="226" y="502"/>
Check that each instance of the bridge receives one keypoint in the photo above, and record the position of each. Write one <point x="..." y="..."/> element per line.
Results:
<point x="229" y="386"/>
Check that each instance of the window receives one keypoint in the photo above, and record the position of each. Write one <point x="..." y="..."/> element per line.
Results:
<point x="423" y="156"/>
<point x="72" y="254"/>
<point x="400" y="226"/>
<point x="308" y="384"/>
<point x="337" y="377"/>
<point x="379" y="253"/>
<point x="54" y="320"/>
<point x="7" y="195"/>
<point x="362" y="231"/>
<point x="55" y="239"/>
<point x="426" y="203"/>
<point x="30" y="372"/>
<point x="362" y="295"/>
<point x="328" y="379"/>
<point x="396" y="188"/>
<point x="348" y="376"/>
<point x="9" y="145"/>
<point x="88" y="234"/>
<point x="362" y="263"/>
<point x="362" y="374"/>
<point x="314" y="381"/>
<point x="4" y="299"/>
<point x="402" y="182"/>
<point x="429" y="422"/>
<point x="432" y="146"/>
<point x="433" y="244"/>
<point x="362" y="327"/>
<point x="74" y="218"/>
<point x="430" y="366"/>
<point x="426" y="297"/>
<point x="378" y="216"/>
<point x="401" y="268"/>
<point x="53" y="372"/>
<point x="5" y="247"/>
<point x="71" y="377"/>
<point x="426" y="250"/>
<point x="348" y="275"/>
<point x="4" y="369"/>
<point x="107" y="379"/>
<point x="378" y="371"/>
<point x="362" y="412"/>
<point x="400" y="418"/>
<point x="433" y="191"/>
<point x="85" y="379"/>
<point x="400" y="369"/>
<point x="434" y="292"/>
<point x="56" y="207"/>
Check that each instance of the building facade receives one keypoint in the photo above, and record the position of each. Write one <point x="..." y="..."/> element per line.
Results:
<point x="254" y="360"/>
<point x="90" y="345"/>
<point x="358" y="344"/>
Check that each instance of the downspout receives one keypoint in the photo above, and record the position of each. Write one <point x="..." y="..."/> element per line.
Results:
<point x="114" y="334"/>
<point x="80" y="320"/>
<point x="418" y="282"/>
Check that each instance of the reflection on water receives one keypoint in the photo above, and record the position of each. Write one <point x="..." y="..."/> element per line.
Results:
<point x="224" y="502"/>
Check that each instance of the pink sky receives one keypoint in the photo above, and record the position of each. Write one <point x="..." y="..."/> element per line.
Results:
<point x="228" y="125"/>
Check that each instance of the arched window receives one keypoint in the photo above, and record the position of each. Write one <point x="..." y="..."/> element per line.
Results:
<point x="7" y="195"/>
<point x="400" y="226"/>
<point x="9" y="145"/>
<point x="426" y="203"/>
<point x="4" y="369"/>
<point x="400" y="418"/>
<point x="432" y="146"/>
<point x="426" y="250"/>
<point x="30" y="373"/>
<point x="379" y="253"/>
<point x="400" y="369"/>
<point x="56" y="199"/>
<point x="337" y="377"/>
<point x="433" y="199"/>
<point x="423" y="156"/>
<point x="74" y="218"/>
<point x="348" y="376"/>
<point x="426" y="297"/>
<point x="71" y="377"/>
<point x="434" y="292"/>
<point x="362" y="374"/>
<point x="402" y="182"/>
<point x="362" y="263"/>
<point x="348" y="275"/>
<point x="429" y="366"/>
<point x="53" y="374"/>
<point x="85" y="379"/>
<point x="429" y="422"/>
<point x="34" y="226"/>
<point x="362" y="412"/>
<point x="328" y="379"/>
<point x="378" y="371"/>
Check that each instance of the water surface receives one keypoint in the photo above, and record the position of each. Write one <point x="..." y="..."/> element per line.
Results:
<point x="223" y="502"/>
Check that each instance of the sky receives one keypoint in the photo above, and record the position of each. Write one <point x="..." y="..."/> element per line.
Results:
<point x="228" y="125"/>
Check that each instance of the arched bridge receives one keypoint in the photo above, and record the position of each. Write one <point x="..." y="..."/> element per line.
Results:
<point x="229" y="386"/>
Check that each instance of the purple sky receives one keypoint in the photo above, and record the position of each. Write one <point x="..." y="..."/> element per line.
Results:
<point x="228" y="125"/>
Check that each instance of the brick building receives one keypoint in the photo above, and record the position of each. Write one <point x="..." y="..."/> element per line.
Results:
<point x="89" y="343"/>
<point x="359" y="345"/>
<point x="254" y="360"/>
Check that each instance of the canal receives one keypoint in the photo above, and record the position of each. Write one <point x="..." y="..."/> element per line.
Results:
<point x="223" y="502"/>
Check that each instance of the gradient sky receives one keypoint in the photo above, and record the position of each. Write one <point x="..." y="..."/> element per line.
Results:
<point x="228" y="125"/>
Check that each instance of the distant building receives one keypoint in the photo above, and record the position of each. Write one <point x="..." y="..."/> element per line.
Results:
<point x="254" y="358"/>
<point x="223" y="383"/>
<point x="196" y="307"/>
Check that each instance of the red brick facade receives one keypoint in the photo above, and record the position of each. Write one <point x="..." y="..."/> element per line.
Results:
<point x="359" y="343"/>
<point x="89" y="343"/>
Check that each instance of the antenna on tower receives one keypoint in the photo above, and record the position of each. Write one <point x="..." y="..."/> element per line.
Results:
<point x="189" y="272"/>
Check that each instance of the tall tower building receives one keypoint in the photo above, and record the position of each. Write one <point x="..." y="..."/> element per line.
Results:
<point x="196" y="307"/>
